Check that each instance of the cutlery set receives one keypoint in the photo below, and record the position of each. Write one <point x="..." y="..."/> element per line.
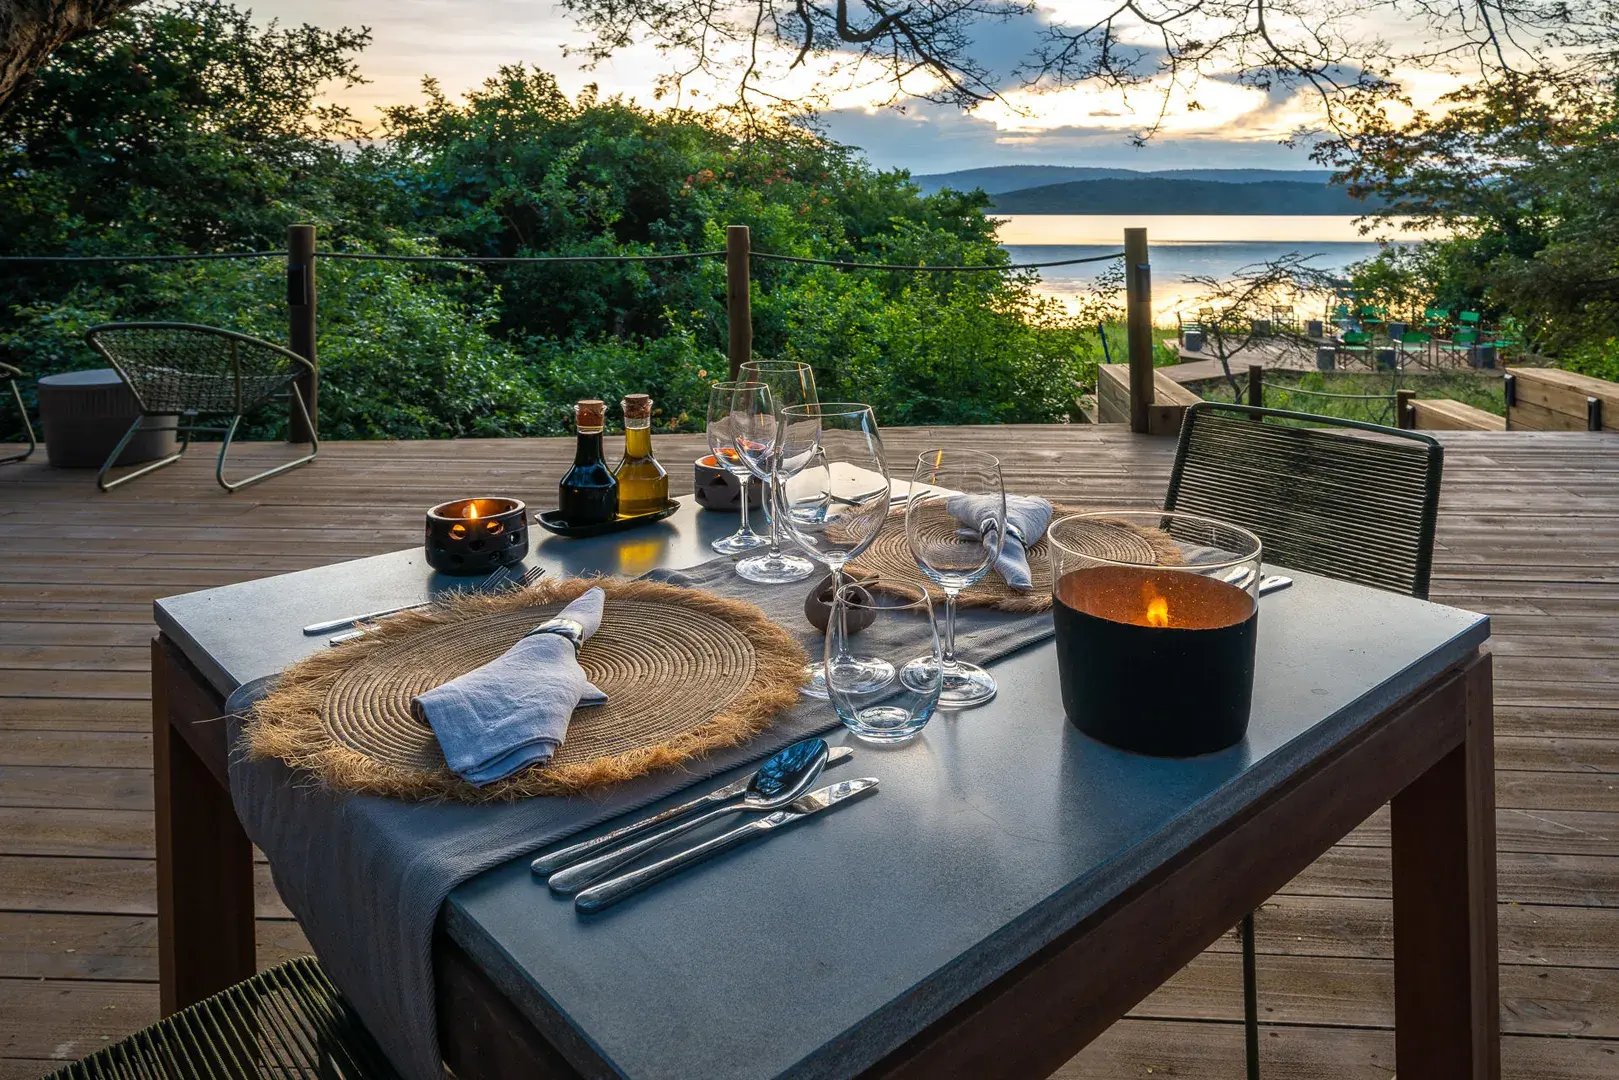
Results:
<point x="778" y="790"/>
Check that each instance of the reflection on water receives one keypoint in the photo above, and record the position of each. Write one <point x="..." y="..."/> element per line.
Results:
<point x="1211" y="245"/>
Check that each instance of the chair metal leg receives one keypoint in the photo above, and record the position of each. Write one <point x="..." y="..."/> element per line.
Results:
<point x="27" y="426"/>
<point x="1250" y="998"/>
<point x="230" y="433"/>
<point x="118" y="451"/>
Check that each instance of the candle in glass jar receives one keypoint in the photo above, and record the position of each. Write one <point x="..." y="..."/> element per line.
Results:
<point x="1157" y="659"/>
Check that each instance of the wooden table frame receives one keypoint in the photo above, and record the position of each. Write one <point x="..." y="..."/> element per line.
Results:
<point x="1431" y="755"/>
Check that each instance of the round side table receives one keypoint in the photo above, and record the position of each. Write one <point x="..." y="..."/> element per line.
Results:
<point x="85" y="413"/>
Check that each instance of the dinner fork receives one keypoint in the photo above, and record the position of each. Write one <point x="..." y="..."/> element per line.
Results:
<point x="488" y="584"/>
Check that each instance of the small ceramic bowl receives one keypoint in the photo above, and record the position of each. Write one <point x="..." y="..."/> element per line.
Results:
<point x="818" y="606"/>
<point x="717" y="488"/>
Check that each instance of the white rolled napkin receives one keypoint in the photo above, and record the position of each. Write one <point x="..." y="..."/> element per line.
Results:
<point x="1027" y="517"/>
<point x="513" y="712"/>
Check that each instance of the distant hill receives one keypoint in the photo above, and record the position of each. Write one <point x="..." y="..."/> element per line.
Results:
<point x="995" y="179"/>
<point x="1156" y="195"/>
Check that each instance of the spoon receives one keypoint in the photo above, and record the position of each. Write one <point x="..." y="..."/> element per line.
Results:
<point x="779" y="781"/>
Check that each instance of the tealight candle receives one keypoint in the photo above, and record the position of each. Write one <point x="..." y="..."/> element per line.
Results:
<point x="474" y="536"/>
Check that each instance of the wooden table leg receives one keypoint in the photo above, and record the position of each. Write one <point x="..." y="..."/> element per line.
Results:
<point x="1446" y="989"/>
<point x="204" y="859"/>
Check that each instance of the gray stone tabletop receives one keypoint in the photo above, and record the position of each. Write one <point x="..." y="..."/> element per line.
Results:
<point x="819" y="951"/>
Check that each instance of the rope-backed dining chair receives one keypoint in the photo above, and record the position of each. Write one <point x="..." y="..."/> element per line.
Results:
<point x="289" y="1021"/>
<point x="1341" y="498"/>
<point x="193" y="372"/>
<point x="11" y="375"/>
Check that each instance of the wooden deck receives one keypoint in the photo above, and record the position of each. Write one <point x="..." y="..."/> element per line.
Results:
<point x="1529" y="534"/>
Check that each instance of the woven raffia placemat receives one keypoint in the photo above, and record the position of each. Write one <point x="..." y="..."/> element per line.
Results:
<point x="890" y="558"/>
<point x="685" y="672"/>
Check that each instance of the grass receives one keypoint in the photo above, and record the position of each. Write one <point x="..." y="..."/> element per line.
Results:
<point x="1367" y="396"/>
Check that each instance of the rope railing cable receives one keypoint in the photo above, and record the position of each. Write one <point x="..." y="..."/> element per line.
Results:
<point x="191" y="257"/>
<point x="924" y="268"/>
<point x="362" y="256"/>
<point x="366" y="256"/>
<point x="1286" y="389"/>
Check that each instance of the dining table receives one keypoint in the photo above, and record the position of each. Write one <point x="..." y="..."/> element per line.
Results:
<point x="1012" y="889"/>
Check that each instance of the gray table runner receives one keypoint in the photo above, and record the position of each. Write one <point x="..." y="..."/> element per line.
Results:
<point x="366" y="876"/>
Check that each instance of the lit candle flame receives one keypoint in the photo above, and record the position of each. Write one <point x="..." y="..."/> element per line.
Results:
<point x="472" y="510"/>
<point x="1157" y="605"/>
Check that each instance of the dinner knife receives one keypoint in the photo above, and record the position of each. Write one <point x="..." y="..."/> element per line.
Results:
<point x="613" y="890"/>
<point x="545" y="865"/>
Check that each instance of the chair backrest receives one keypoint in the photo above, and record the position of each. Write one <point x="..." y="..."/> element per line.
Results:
<point x="1471" y="317"/>
<point x="1345" y="499"/>
<point x="184" y="368"/>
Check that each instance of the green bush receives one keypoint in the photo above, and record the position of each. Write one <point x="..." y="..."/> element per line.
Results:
<point x="143" y="139"/>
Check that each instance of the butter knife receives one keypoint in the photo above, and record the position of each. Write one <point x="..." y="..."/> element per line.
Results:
<point x="613" y="890"/>
<point x="545" y="865"/>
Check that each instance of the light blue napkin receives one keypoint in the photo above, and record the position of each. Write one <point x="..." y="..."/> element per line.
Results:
<point x="1026" y="519"/>
<point x="513" y="712"/>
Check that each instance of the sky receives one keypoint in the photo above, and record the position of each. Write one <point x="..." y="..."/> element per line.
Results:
<point x="460" y="42"/>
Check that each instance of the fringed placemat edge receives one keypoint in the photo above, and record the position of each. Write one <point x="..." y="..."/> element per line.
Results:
<point x="287" y="723"/>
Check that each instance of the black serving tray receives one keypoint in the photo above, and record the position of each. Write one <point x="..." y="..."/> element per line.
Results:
<point x="552" y="522"/>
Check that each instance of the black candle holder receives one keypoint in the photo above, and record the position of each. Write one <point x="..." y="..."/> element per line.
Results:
<point x="475" y="536"/>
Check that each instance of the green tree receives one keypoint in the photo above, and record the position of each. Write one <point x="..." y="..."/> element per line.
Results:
<point x="1515" y="177"/>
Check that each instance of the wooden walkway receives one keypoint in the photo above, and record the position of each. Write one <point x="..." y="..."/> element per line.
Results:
<point x="1529" y="534"/>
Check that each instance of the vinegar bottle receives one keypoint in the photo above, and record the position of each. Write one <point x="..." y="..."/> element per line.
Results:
<point x="588" y="494"/>
<point x="643" y="484"/>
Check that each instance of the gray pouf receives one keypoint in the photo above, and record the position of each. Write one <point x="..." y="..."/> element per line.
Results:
<point x="85" y="413"/>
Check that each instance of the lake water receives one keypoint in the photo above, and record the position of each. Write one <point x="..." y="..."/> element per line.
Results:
<point x="1215" y="245"/>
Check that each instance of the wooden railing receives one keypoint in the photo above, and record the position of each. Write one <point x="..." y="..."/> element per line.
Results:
<point x="1550" y="399"/>
<point x="302" y="259"/>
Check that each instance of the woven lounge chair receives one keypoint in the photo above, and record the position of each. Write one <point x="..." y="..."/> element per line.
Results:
<point x="196" y="372"/>
<point x="1362" y="510"/>
<point x="288" y="1022"/>
<point x="11" y="375"/>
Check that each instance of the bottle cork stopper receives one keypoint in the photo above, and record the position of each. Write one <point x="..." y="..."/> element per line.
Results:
<point x="590" y="413"/>
<point x="637" y="406"/>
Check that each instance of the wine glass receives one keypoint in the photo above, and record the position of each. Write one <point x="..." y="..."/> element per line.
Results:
<point x="728" y="417"/>
<point x="832" y="491"/>
<point x="954" y="553"/>
<point x="790" y="383"/>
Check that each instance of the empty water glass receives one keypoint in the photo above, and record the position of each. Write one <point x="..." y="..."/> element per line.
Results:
<point x="893" y="622"/>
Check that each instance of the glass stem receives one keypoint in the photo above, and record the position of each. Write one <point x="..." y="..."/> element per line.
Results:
<point x="773" y="512"/>
<point x="842" y="615"/>
<point x="745" y="479"/>
<point x="950" y="628"/>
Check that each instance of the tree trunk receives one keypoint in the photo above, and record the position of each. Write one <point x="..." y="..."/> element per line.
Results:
<point x="30" y="30"/>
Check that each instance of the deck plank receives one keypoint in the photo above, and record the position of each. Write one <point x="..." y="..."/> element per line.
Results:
<point x="1529" y="533"/>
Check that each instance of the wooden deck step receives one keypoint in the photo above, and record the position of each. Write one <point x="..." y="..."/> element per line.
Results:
<point x="1447" y="414"/>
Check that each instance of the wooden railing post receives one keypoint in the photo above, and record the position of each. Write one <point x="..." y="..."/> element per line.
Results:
<point x="1138" y="325"/>
<point x="738" y="296"/>
<point x="301" y="327"/>
<point x="1405" y="414"/>
<point x="1256" y="385"/>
